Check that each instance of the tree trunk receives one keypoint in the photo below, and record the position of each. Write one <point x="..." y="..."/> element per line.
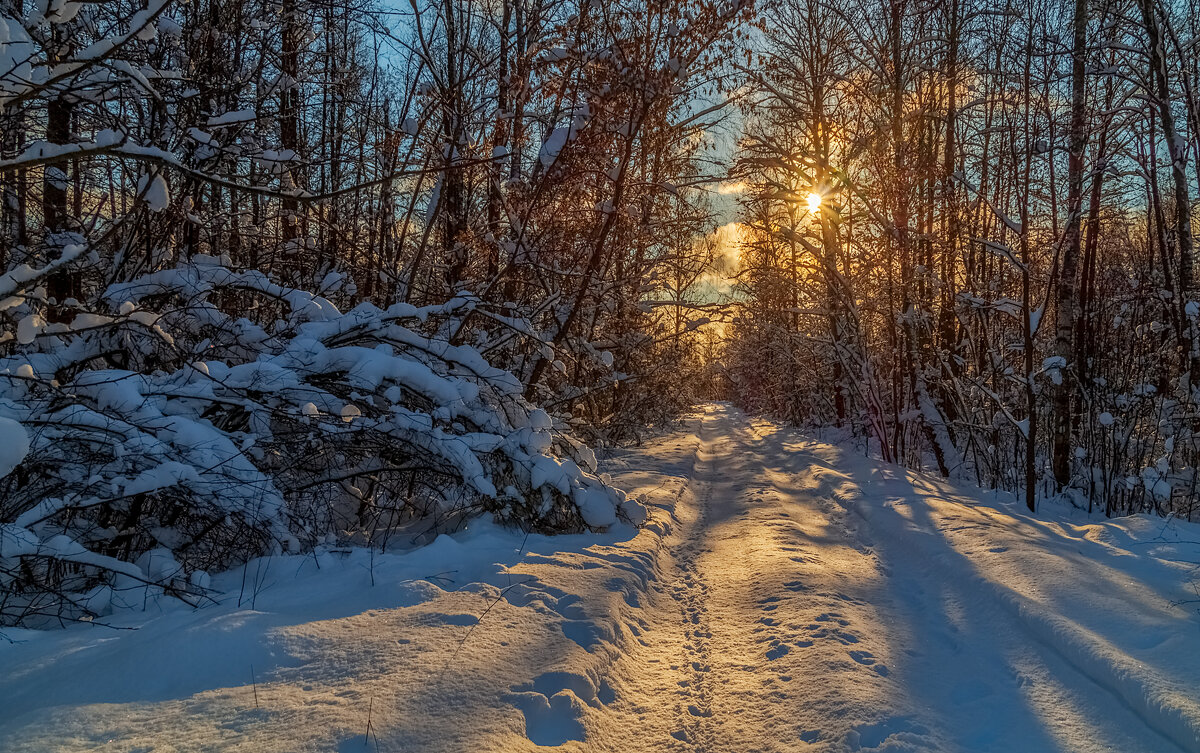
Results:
<point x="1177" y="150"/>
<point x="1067" y="300"/>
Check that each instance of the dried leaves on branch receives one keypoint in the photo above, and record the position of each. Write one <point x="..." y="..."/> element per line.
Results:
<point x="998" y="281"/>
<point x="276" y="275"/>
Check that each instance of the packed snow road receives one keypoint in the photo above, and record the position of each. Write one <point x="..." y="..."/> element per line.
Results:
<point x="786" y="595"/>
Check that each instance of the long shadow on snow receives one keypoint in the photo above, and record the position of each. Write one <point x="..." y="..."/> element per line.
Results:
<point x="958" y="624"/>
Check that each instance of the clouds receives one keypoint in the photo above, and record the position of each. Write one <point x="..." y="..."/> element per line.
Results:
<point x="717" y="282"/>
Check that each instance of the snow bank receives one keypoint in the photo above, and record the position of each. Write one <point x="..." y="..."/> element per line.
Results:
<point x="483" y="639"/>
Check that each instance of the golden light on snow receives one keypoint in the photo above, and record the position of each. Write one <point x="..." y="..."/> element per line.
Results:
<point x="814" y="201"/>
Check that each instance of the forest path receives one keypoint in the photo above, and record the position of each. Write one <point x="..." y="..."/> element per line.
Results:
<point x="793" y="621"/>
<point x="785" y="595"/>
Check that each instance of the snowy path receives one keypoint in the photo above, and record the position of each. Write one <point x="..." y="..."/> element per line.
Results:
<point x="787" y="595"/>
<point x="803" y="623"/>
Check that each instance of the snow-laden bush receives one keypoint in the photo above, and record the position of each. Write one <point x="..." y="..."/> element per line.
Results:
<point x="161" y="438"/>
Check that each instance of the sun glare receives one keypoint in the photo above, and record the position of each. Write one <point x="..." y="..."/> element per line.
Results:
<point x="814" y="201"/>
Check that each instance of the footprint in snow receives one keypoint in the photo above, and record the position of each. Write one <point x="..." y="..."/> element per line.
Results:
<point x="461" y="620"/>
<point x="551" y="720"/>
<point x="818" y="631"/>
<point x="769" y="604"/>
<point x="888" y="734"/>
<point x="867" y="659"/>
<point x="553" y="705"/>
<point x="863" y="657"/>
<point x="585" y="633"/>
<point x="833" y="617"/>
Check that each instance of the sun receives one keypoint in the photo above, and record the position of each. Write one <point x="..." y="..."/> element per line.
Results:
<point x="814" y="201"/>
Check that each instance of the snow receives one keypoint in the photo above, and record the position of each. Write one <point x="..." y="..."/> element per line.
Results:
<point x="539" y="420"/>
<point x="558" y="137"/>
<point x="230" y="118"/>
<point x="58" y="11"/>
<point x="153" y="190"/>
<point x="784" y="595"/>
<point x="16" y="52"/>
<point x="16" y="541"/>
<point x="141" y="26"/>
<point x="29" y="327"/>
<point x="22" y="274"/>
<point x="553" y="144"/>
<point x="14" y="445"/>
<point x="383" y="398"/>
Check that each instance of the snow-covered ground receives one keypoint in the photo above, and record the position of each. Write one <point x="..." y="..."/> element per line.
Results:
<point x="786" y="595"/>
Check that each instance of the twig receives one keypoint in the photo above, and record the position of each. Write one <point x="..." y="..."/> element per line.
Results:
<point x="496" y="601"/>
<point x="370" y="733"/>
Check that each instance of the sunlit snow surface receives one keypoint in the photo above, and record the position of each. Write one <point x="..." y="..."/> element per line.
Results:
<point x="786" y="595"/>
